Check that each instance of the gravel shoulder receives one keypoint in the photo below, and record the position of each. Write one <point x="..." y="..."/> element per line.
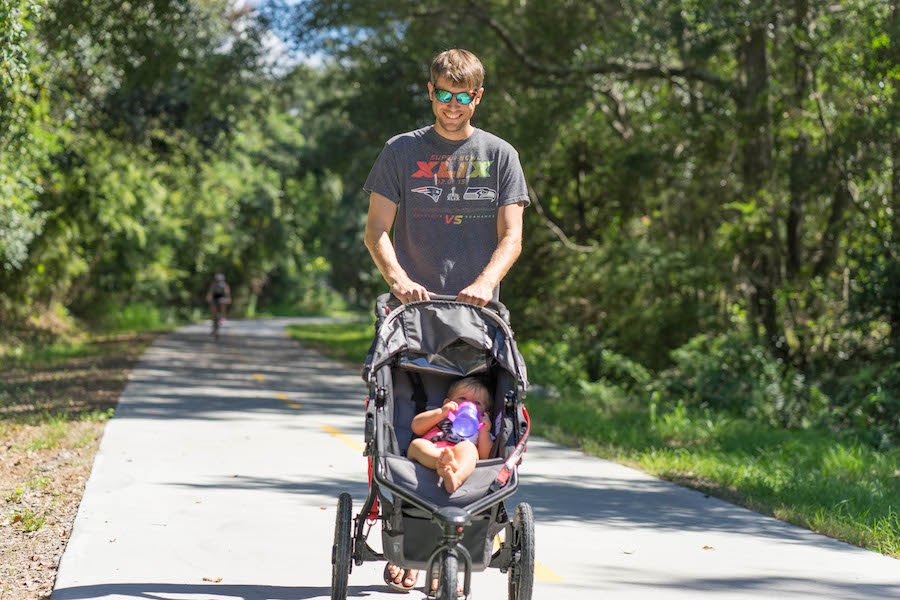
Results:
<point x="52" y="417"/>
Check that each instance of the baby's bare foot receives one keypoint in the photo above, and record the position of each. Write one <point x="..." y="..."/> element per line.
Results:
<point x="446" y="460"/>
<point x="451" y="482"/>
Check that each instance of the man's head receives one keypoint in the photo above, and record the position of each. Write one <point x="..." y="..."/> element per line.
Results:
<point x="469" y="389"/>
<point x="455" y="90"/>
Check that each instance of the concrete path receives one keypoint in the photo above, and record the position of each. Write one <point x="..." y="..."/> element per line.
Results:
<point x="219" y="475"/>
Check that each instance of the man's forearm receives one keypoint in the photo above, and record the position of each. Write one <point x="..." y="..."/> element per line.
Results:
<point x="382" y="251"/>
<point x="504" y="257"/>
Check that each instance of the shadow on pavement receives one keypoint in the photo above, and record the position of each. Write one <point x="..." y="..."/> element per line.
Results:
<point x="170" y="591"/>
<point x="782" y="587"/>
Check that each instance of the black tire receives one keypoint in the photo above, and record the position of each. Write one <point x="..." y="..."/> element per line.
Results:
<point x="342" y="548"/>
<point x="447" y="577"/>
<point x="521" y="572"/>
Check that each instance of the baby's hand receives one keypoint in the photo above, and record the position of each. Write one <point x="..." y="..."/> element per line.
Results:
<point x="450" y="406"/>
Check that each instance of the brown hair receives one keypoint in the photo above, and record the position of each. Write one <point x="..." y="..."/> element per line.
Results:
<point x="459" y="66"/>
<point x="474" y="384"/>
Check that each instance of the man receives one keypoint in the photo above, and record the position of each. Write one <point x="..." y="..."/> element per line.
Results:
<point x="218" y="296"/>
<point x="455" y="196"/>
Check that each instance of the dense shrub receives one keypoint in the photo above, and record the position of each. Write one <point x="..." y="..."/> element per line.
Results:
<point x="555" y="364"/>
<point x="868" y="402"/>
<point x="731" y="373"/>
<point x="606" y="365"/>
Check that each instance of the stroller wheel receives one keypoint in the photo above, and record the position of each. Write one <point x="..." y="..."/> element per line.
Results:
<point x="447" y="570"/>
<point x="521" y="572"/>
<point x="341" y="550"/>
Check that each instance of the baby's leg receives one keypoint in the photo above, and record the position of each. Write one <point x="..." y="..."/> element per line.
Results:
<point x="465" y="454"/>
<point x="424" y="452"/>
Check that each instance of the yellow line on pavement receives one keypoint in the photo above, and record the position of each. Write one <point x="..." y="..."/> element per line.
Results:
<point x="287" y="400"/>
<point x="259" y="377"/>
<point x="542" y="573"/>
<point x="344" y="438"/>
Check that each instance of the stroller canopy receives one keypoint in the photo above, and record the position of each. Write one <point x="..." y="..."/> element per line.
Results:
<point x="444" y="337"/>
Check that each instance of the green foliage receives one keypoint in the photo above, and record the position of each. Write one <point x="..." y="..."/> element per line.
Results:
<point x="867" y="401"/>
<point x="554" y="364"/>
<point x="136" y="316"/>
<point x="730" y="373"/>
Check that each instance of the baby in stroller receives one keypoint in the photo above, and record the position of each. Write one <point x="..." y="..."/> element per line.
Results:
<point x="439" y="448"/>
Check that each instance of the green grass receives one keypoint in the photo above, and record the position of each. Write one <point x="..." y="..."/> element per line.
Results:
<point x="27" y="348"/>
<point x="28" y="520"/>
<point x="51" y="435"/>
<point x="347" y="341"/>
<point x="813" y="478"/>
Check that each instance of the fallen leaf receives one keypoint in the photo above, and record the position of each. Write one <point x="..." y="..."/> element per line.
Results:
<point x="210" y="579"/>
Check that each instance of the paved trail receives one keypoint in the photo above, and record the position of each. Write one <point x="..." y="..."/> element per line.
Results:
<point x="219" y="475"/>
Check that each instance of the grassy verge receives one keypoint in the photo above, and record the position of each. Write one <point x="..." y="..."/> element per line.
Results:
<point x="57" y="390"/>
<point x="817" y="479"/>
<point x="347" y="341"/>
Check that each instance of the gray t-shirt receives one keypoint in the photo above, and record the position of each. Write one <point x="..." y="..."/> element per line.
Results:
<point x="447" y="194"/>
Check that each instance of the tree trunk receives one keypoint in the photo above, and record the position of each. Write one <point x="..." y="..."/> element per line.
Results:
<point x="756" y="133"/>
<point x="799" y="173"/>
<point x="895" y="179"/>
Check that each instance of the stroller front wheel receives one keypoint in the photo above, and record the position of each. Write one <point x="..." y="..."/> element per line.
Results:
<point x="521" y="538"/>
<point x="342" y="548"/>
<point x="449" y="567"/>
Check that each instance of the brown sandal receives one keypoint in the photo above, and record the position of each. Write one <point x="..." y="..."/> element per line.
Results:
<point x="397" y="587"/>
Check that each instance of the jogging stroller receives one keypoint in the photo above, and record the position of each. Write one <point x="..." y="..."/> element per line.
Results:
<point x="419" y="349"/>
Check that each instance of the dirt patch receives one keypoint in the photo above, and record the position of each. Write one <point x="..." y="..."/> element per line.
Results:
<point x="51" y="420"/>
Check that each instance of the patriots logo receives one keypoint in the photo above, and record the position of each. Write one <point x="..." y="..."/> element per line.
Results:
<point x="432" y="192"/>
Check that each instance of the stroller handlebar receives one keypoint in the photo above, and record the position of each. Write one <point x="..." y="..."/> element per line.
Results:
<point x="387" y="302"/>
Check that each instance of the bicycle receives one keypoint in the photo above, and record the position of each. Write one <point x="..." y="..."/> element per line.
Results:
<point x="218" y="318"/>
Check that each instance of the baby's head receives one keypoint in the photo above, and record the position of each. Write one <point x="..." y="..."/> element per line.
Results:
<point x="469" y="389"/>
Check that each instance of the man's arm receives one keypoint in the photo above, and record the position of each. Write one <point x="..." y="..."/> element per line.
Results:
<point x="509" y="246"/>
<point x="378" y="240"/>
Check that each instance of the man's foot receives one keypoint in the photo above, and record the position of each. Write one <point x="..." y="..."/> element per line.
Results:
<point x="434" y="586"/>
<point x="400" y="579"/>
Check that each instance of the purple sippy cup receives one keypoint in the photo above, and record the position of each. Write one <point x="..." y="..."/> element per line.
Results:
<point x="466" y="422"/>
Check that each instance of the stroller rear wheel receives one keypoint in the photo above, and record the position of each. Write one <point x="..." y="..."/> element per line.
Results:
<point x="342" y="548"/>
<point x="521" y="538"/>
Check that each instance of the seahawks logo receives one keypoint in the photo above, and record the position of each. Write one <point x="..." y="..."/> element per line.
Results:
<point x="432" y="192"/>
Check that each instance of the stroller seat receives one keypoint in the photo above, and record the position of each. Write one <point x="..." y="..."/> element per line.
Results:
<point x="424" y="482"/>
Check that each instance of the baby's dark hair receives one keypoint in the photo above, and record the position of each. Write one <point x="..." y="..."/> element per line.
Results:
<point x="471" y="383"/>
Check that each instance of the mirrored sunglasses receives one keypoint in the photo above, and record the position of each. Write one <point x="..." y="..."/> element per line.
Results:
<point x="461" y="97"/>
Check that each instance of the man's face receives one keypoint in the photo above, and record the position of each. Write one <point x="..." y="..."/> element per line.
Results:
<point x="453" y="118"/>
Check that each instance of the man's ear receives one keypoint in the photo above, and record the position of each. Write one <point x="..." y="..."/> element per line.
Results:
<point x="478" y="95"/>
<point x="430" y="91"/>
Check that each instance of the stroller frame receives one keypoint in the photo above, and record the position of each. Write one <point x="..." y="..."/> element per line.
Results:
<point x="459" y="526"/>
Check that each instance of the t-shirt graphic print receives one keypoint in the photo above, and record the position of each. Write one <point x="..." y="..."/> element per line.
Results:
<point x="447" y="194"/>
